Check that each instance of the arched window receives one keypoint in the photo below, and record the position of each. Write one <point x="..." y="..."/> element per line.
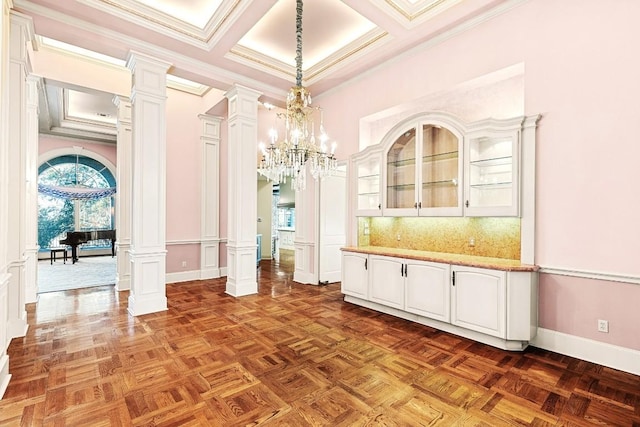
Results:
<point x="58" y="215"/>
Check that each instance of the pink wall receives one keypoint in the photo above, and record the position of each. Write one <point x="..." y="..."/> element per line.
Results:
<point x="183" y="180"/>
<point x="580" y="75"/>
<point x="187" y="253"/>
<point x="47" y="143"/>
<point x="573" y="305"/>
<point x="183" y="165"/>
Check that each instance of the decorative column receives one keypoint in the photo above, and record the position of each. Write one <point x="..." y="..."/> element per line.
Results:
<point x="19" y="69"/>
<point x="148" y="208"/>
<point x="5" y="25"/>
<point x="123" y="196"/>
<point x="210" y="196"/>
<point x="31" y="169"/>
<point x="243" y="194"/>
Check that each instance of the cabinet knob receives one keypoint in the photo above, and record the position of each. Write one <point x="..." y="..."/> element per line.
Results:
<point x="379" y="206"/>
<point x="466" y="203"/>
<point x="415" y="205"/>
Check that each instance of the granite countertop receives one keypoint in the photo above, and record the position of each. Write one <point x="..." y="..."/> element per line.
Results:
<point x="456" y="259"/>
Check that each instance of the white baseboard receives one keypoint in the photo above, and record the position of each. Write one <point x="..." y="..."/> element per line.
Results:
<point x="210" y="273"/>
<point x="182" y="276"/>
<point x="223" y="271"/>
<point x="613" y="356"/>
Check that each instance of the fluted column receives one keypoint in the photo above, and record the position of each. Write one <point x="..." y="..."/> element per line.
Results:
<point x="31" y="170"/>
<point x="123" y="196"/>
<point x="243" y="194"/>
<point x="210" y="196"/>
<point x="148" y="209"/>
<point x="19" y="69"/>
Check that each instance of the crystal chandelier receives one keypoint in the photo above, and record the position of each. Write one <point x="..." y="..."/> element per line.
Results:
<point x="288" y="157"/>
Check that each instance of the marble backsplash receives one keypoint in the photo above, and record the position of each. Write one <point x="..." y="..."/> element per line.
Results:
<point x="491" y="237"/>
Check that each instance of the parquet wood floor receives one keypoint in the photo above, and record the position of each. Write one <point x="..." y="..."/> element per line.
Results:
<point x="292" y="355"/>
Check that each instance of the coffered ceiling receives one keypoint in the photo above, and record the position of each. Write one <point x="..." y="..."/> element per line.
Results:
<point x="218" y="43"/>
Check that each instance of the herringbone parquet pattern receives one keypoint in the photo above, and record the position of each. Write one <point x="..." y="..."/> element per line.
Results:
<point x="293" y="355"/>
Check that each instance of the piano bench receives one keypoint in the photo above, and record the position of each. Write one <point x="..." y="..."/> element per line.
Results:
<point x="59" y="250"/>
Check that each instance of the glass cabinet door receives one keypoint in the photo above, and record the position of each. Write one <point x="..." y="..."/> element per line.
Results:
<point x="401" y="172"/>
<point x="440" y="168"/>
<point x="368" y="185"/>
<point x="492" y="176"/>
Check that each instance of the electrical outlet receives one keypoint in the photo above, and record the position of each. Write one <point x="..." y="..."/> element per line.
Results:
<point x="398" y="237"/>
<point x="603" y="325"/>
<point x="184" y="263"/>
<point x="472" y="242"/>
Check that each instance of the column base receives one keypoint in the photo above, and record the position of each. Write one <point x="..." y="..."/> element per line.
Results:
<point x="5" y="376"/>
<point x="17" y="328"/>
<point x="148" y="283"/>
<point x="31" y="275"/>
<point x="123" y="267"/>
<point x="241" y="271"/>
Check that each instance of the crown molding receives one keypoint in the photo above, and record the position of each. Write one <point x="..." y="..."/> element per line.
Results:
<point x="336" y="61"/>
<point x="153" y="19"/>
<point x="178" y="60"/>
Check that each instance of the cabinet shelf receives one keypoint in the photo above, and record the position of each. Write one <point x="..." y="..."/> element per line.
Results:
<point x="404" y="162"/>
<point x="402" y="186"/>
<point x="492" y="185"/>
<point x="448" y="182"/>
<point x="451" y="155"/>
<point x="496" y="161"/>
<point x="370" y="193"/>
<point x="369" y="177"/>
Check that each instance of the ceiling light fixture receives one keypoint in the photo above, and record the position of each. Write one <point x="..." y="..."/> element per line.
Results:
<point x="287" y="158"/>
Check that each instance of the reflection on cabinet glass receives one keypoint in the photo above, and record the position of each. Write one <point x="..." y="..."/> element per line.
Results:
<point x="439" y="168"/>
<point x="369" y="184"/>
<point x="401" y="172"/>
<point x="491" y="172"/>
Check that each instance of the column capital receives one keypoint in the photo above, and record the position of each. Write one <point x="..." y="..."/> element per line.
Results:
<point x="243" y="102"/>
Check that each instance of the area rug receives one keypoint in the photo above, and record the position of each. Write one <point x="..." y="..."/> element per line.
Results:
<point x="86" y="272"/>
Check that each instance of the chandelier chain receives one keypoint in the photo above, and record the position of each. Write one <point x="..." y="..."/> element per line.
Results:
<point x="298" y="42"/>
<point x="300" y="148"/>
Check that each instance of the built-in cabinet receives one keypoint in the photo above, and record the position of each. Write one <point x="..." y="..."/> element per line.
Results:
<point x="423" y="172"/>
<point x="478" y="299"/>
<point x="355" y="267"/>
<point x="435" y="165"/>
<point x="368" y="182"/>
<point x="498" y="307"/>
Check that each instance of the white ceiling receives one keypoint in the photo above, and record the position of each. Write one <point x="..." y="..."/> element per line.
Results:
<point x="218" y="43"/>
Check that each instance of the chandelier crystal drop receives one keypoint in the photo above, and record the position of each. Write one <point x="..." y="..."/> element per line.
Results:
<point x="288" y="157"/>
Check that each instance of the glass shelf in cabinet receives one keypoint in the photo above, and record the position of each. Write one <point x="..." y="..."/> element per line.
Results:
<point x="401" y="187"/>
<point x="447" y="182"/>
<point x="497" y="161"/>
<point x="492" y="185"/>
<point x="451" y="155"/>
<point x="369" y="177"/>
<point x="403" y="162"/>
<point x="369" y="193"/>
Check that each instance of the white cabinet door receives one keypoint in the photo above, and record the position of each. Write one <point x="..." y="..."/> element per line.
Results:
<point x="478" y="300"/>
<point x="355" y="277"/>
<point x="427" y="290"/>
<point x="387" y="281"/>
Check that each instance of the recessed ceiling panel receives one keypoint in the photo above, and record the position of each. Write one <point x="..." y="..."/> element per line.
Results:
<point x="90" y="107"/>
<point x="195" y="12"/>
<point x="327" y="26"/>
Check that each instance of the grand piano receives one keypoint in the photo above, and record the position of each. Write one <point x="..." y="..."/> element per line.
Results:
<point x="75" y="238"/>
